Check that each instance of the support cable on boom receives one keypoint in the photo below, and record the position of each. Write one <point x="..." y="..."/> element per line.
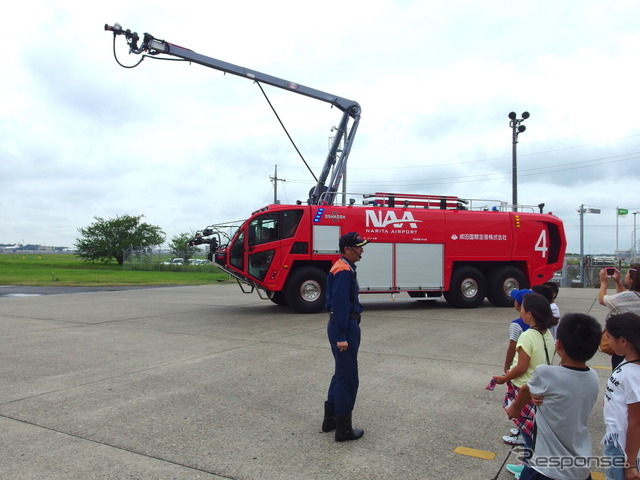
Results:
<point x="286" y="131"/>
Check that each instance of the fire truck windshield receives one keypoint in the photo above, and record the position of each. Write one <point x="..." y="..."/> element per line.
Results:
<point x="264" y="229"/>
<point x="272" y="226"/>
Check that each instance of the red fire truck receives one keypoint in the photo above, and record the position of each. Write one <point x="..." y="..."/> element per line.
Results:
<point x="425" y="245"/>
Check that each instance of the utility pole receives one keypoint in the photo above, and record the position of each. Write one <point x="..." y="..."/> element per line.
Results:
<point x="275" y="181"/>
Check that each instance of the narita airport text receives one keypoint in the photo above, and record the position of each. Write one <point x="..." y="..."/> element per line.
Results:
<point x="396" y="231"/>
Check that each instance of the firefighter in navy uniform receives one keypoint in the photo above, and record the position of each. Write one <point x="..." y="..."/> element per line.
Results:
<point x="343" y="331"/>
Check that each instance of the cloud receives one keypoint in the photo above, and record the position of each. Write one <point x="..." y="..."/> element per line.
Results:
<point x="188" y="146"/>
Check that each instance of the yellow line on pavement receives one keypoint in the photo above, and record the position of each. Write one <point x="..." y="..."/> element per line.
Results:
<point x="472" y="452"/>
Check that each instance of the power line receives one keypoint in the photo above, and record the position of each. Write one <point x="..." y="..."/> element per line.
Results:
<point x="446" y="164"/>
<point x="481" y="160"/>
<point x="500" y="175"/>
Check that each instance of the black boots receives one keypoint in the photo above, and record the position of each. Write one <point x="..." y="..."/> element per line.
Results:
<point x="340" y="423"/>
<point x="344" y="430"/>
<point x="329" y="422"/>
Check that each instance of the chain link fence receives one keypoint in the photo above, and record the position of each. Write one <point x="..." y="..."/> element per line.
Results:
<point x="570" y="276"/>
<point x="162" y="260"/>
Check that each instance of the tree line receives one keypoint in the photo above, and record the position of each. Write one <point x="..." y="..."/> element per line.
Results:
<point x="106" y="239"/>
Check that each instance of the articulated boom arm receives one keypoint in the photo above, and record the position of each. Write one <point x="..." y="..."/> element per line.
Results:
<point x="336" y="157"/>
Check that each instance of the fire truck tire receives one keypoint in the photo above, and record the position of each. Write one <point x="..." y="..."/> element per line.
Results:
<point x="278" y="298"/>
<point x="468" y="288"/>
<point x="501" y="281"/>
<point x="305" y="290"/>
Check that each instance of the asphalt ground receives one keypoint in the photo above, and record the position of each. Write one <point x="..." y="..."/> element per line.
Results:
<point x="209" y="383"/>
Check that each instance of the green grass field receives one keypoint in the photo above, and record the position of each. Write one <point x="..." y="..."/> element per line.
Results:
<point x="69" y="270"/>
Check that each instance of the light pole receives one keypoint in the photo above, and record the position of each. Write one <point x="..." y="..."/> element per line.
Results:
<point x="581" y="212"/>
<point x="634" y="236"/>
<point x="516" y="129"/>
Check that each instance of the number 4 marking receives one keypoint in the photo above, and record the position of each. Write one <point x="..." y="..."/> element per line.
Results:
<point x="541" y="244"/>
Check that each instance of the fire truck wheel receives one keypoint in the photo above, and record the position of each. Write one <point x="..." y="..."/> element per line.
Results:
<point x="501" y="281"/>
<point x="278" y="298"/>
<point x="468" y="288"/>
<point x="305" y="290"/>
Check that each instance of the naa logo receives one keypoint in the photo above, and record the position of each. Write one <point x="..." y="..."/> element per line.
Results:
<point x="379" y="219"/>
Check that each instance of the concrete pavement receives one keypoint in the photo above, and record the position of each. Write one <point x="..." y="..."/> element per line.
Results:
<point x="209" y="383"/>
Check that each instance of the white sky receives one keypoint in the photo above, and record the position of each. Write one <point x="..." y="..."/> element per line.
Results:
<point x="187" y="146"/>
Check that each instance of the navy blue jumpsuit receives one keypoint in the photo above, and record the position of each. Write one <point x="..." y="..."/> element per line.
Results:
<point x="344" y="325"/>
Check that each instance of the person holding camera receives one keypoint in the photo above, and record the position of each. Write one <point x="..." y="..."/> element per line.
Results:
<point x="623" y="300"/>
